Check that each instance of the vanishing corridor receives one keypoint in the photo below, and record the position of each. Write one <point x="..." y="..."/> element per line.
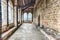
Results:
<point x="28" y="31"/>
<point x="30" y="19"/>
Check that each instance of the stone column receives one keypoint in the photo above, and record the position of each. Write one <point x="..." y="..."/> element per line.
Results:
<point x="15" y="17"/>
<point x="20" y="15"/>
<point x="13" y="13"/>
<point x="27" y="17"/>
<point x="0" y="20"/>
<point x="32" y="14"/>
<point x="58" y="18"/>
<point x="7" y="15"/>
<point x="16" y="14"/>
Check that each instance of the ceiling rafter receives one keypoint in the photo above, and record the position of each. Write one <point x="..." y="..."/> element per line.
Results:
<point x="23" y="2"/>
<point x="27" y="6"/>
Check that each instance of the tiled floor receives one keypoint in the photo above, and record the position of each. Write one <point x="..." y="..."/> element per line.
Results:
<point x="28" y="32"/>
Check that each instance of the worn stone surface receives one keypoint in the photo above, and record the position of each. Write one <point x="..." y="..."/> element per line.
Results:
<point x="28" y="32"/>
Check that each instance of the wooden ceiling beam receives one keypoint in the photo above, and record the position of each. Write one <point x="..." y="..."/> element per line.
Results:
<point x="23" y="2"/>
<point x="27" y="6"/>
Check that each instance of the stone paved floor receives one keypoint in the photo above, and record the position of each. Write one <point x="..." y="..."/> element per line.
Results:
<point x="28" y="32"/>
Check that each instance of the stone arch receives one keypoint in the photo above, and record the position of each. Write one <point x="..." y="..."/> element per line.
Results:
<point x="4" y="12"/>
<point x="11" y="4"/>
<point x="4" y="15"/>
<point x="10" y="1"/>
<point x="30" y="16"/>
<point x="25" y="16"/>
<point x="10" y="12"/>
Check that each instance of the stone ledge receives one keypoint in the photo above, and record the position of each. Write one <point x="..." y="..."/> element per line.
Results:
<point x="5" y="28"/>
<point x="48" y="36"/>
<point x="9" y="32"/>
<point x="49" y="31"/>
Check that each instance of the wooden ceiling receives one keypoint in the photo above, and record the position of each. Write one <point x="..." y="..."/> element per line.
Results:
<point x="26" y="4"/>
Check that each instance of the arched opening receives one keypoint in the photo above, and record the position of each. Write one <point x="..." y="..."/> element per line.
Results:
<point x="10" y="12"/>
<point x="39" y="20"/>
<point x="25" y="17"/>
<point x="4" y="12"/>
<point x="30" y="17"/>
<point x="7" y="14"/>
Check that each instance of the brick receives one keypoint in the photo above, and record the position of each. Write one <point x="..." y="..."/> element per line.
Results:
<point x="49" y="15"/>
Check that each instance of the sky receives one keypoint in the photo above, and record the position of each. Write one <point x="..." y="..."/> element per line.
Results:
<point x="29" y="16"/>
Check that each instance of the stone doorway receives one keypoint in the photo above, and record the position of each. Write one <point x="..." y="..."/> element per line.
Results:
<point x="39" y="20"/>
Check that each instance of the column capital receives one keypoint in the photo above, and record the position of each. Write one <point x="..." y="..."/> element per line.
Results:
<point x="15" y="3"/>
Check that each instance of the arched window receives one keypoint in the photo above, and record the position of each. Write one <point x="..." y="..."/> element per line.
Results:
<point x="29" y="16"/>
<point x="4" y="12"/>
<point x="25" y="16"/>
<point x="22" y="17"/>
<point x="10" y="12"/>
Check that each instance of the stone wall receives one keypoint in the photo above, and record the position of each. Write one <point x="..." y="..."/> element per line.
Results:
<point x="9" y="28"/>
<point x="0" y="19"/>
<point x="4" y="15"/>
<point x="49" y="12"/>
<point x="19" y="15"/>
